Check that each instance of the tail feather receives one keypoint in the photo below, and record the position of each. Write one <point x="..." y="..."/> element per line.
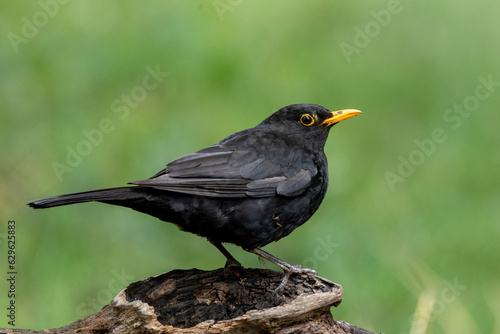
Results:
<point x="110" y="194"/>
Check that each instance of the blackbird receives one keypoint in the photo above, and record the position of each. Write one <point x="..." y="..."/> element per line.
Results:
<point x="251" y="188"/>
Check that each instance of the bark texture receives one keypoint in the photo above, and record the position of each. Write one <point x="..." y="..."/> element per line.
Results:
<point x="235" y="300"/>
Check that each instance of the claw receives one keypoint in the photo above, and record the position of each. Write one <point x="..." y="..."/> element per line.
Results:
<point x="283" y="282"/>
<point x="287" y="268"/>
<point x="231" y="261"/>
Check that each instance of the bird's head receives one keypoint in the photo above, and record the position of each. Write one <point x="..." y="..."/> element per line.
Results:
<point x="306" y="122"/>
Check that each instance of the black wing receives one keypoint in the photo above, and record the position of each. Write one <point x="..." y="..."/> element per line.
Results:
<point x="219" y="172"/>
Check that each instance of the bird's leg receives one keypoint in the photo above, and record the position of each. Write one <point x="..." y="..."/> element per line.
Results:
<point x="287" y="268"/>
<point x="231" y="261"/>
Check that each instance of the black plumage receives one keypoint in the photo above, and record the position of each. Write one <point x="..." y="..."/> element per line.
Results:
<point x="253" y="187"/>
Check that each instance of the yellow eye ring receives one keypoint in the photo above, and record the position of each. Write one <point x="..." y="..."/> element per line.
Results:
<point x="306" y="120"/>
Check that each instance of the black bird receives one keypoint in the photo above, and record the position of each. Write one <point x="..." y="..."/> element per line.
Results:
<point x="253" y="187"/>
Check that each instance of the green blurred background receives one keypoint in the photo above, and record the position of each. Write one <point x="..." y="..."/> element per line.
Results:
<point x="416" y="250"/>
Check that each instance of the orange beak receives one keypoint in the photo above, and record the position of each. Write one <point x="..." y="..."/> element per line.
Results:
<point x="340" y="115"/>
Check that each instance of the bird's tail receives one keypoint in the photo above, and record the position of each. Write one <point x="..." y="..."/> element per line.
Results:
<point x="102" y="195"/>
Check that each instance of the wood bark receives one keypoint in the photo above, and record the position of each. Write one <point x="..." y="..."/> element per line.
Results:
<point x="235" y="300"/>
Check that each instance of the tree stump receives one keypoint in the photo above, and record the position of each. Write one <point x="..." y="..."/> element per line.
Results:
<point x="235" y="300"/>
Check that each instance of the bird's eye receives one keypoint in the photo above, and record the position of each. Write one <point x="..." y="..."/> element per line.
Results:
<point x="306" y="120"/>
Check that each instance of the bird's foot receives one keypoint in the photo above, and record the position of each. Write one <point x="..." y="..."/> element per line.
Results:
<point x="287" y="268"/>
<point x="232" y="263"/>
<point x="292" y="269"/>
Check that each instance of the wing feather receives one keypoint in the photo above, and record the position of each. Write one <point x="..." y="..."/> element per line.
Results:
<point x="219" y="172"/>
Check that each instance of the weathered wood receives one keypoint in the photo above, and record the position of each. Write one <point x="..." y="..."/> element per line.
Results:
<point x="237" y="300"/>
